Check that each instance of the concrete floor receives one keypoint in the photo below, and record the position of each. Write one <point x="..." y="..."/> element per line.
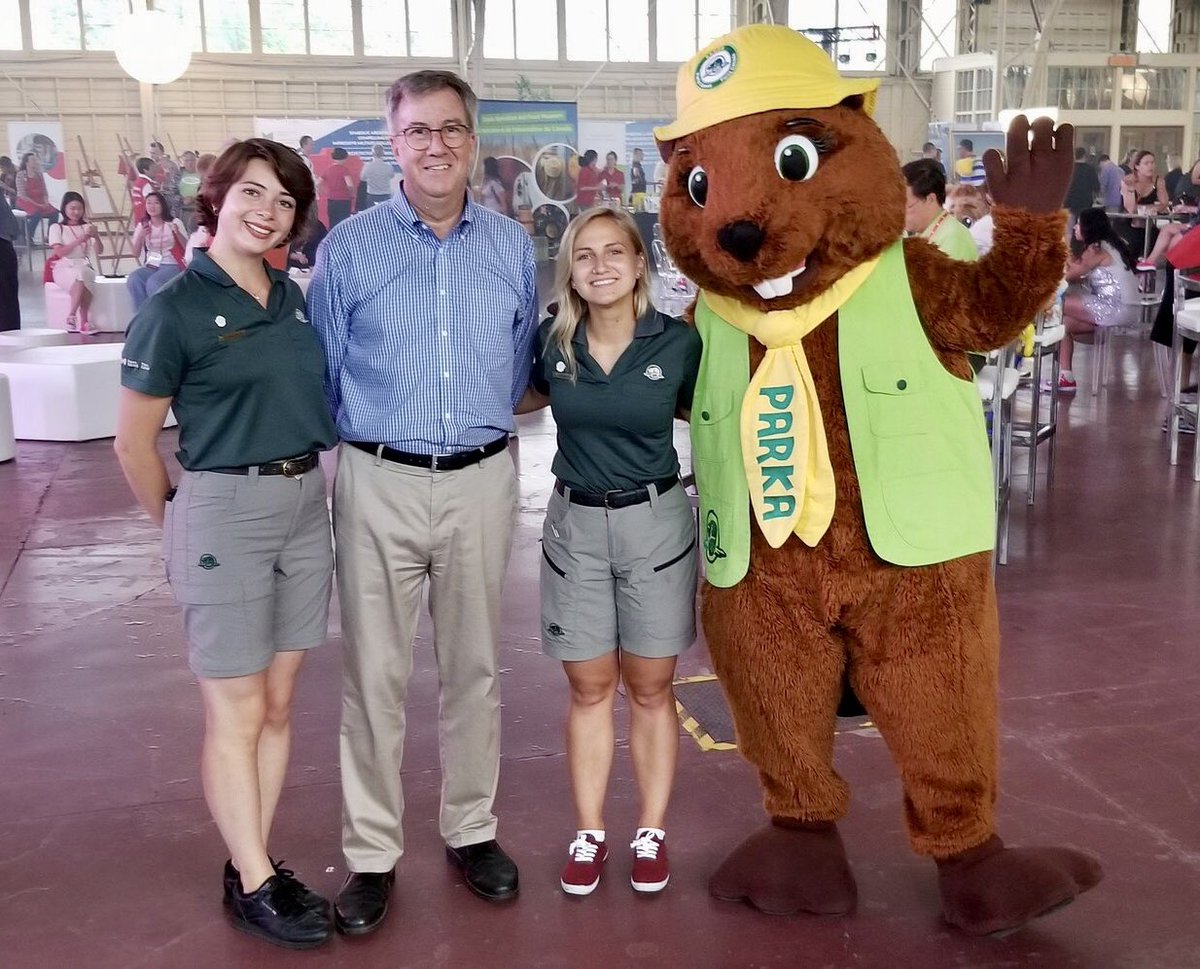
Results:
<point x="108" y="859"/>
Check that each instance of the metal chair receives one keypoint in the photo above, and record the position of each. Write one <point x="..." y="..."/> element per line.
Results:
<point x="1187" y="325"/>
<point x="997" y="384"/>
<point x="1030" y="434"/>
<point x="1150" y="294"/>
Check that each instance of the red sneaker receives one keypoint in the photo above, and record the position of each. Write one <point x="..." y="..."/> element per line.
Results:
<point x="582" y="872"/>
<point x="650" y="869"/>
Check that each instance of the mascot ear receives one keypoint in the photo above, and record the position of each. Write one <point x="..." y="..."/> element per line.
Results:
<point x="854" y="102"/>
<point x="665" y="148"/>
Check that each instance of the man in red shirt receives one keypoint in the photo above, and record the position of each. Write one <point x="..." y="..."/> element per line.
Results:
<point x="337" y="185"/>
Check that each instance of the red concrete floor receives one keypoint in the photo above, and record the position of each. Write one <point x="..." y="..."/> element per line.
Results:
<point x="108" y="859"/>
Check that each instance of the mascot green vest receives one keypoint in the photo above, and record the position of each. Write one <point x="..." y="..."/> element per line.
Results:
<point x="917" y="432"/>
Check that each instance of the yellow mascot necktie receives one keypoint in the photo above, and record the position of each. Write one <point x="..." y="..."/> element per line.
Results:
<point x="784" y="451"/>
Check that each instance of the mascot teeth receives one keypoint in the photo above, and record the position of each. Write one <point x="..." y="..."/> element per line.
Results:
<point x="774" y="288"/>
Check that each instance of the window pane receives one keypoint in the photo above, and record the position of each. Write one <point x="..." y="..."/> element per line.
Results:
<point x="55" y="25"/>
<point x="715" y="17"/>
<point x="813" y="13"/>
<point x="10" y="25"/>
<point x="939" y="23"/>
<point x="537" y="30"/>
<point x="227" y="26"/>
<point x="330" y="27"/>
<point x="385" y="30"/>
<point x="430" y="33"/>
<point x="282" y="26"/>
<point x="628" y="30"/>
<point x="676" y="34"/>
<point x="1154" y="26"/>
<point x="586" y="31"/>
<point x="100" y="18"/>
<point x="188" y="12"/>
<point x="497" y="29"/>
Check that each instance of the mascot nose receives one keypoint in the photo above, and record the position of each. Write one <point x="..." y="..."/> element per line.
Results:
<point x="742" y="240"/>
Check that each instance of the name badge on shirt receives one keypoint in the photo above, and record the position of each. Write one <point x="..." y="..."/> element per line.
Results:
<point x="154" y="259"/>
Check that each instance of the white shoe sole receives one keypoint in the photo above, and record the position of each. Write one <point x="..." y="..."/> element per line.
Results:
<point x="649" y="886"/>
<point x="579" y="889"/>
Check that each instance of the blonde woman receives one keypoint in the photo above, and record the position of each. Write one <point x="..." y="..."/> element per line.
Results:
<point x="619" y="560"/>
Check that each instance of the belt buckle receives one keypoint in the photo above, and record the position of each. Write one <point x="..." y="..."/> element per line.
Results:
<point x="433" y="461"/>
<point x="607" y="499"/>
<point x="292" y="468"/>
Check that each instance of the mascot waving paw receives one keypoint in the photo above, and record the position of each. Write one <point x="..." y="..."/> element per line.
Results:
<point x="843" y="466"/>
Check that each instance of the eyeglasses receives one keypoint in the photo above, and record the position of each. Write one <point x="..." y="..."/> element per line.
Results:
<point x="418" y="137"/>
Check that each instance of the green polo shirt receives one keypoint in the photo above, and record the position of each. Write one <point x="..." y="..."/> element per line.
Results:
<point x="615" y="430"/>
<point x="246" y="382"/>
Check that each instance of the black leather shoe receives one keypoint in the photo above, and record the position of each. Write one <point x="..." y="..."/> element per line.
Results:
<point x="489" y="872"/>
<point x="363" y="901"/>
<point x="310" y="898"/>
<point x="275" y="914"/>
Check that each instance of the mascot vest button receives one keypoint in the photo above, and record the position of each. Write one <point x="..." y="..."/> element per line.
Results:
<point x="901" y="384"/>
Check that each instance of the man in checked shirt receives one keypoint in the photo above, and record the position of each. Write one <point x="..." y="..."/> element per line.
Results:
<point x="426" y="306"/>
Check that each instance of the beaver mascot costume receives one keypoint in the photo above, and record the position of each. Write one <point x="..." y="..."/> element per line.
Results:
<point x="846" y="498"/>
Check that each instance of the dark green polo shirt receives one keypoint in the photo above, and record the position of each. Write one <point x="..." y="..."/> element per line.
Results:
<point x="246" y="382"/>
<point x="615" y="431"/>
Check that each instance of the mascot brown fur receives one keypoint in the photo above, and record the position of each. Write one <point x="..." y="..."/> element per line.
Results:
<point x="918" y="644"/>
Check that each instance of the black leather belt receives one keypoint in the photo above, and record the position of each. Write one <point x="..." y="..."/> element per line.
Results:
<point x="289" y="468"/>
<point x="615" y="499"/>
<point x="434" y="462"/>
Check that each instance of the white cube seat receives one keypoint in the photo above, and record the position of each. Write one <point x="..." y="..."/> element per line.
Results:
<point x="33" y="336"/>
<point x="65" y="393"/>
<point x="110" y="312"/>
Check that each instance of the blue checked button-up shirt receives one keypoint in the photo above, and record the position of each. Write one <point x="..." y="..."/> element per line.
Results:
<point x="428" y="342"/>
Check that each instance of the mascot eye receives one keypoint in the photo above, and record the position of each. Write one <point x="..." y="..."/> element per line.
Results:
<point x="697" y="185"/>
<point x="796" y="158"/>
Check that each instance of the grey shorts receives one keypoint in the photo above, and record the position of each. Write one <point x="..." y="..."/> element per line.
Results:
<point x="619" y="578"/>
<point x="250" y="560"/>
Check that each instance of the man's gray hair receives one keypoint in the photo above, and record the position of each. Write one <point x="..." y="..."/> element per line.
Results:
<point x="428" y="82"/>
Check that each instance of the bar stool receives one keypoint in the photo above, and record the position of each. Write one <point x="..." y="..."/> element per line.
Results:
<point x="1048" y="334"/>
<point x="1187" y="324"/>
<point x="997" y="382"/>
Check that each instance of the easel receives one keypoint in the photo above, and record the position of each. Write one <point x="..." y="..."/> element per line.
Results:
<point x="101" y="208"/>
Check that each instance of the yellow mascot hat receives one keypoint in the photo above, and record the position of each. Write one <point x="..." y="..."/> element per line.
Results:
<point x="757" y="68"/>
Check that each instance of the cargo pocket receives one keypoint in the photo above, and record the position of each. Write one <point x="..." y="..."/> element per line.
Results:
<point x="559" y="592"/>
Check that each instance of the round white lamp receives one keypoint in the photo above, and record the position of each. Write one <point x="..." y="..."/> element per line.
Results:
<point x="153" y="47"/>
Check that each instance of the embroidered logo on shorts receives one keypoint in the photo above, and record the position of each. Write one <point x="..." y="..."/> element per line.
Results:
<point x="712" y="537"/>
<point x="653" y="372"/>
<point x="208" y="562"/>
<point x="554" y="629"/>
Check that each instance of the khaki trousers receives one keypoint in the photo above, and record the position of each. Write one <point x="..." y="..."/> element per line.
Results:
<point x="395" y="526"/>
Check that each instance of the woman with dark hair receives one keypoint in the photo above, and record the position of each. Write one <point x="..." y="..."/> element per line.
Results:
<point x="32" y="198"/>
<point x="75" y="255"/>
<point x="1143" y="192"/>
<point x="337" y="185"/>
<point x="246" y="538"/>
<point x="159" y="242"/>
<point x="588" y="184"/>
<point x="1102" y="290"/>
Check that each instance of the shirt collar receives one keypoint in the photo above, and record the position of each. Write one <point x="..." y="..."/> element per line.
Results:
<point x="206" y="266"/>
<point x="651" y="323"/>
<point x="408" y="215"/>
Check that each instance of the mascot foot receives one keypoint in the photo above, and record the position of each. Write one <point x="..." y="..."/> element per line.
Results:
<point x="787" y="867"/>
<point x="993" y="890"/>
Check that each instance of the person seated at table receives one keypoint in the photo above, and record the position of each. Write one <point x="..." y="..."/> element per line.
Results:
<point x="75" y="253"/>
<point x="1102" y="291"/>
<point x="158" y="242"/>
<point x="1142" y="192"/>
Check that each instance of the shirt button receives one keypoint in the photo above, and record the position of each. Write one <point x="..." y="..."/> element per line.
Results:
<point x="447" y="416"/>
<point x="441" y="292"/>
<point x="704" y="415"/>
<point x="445" y="333"/>
<point x="446" y="374"/>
